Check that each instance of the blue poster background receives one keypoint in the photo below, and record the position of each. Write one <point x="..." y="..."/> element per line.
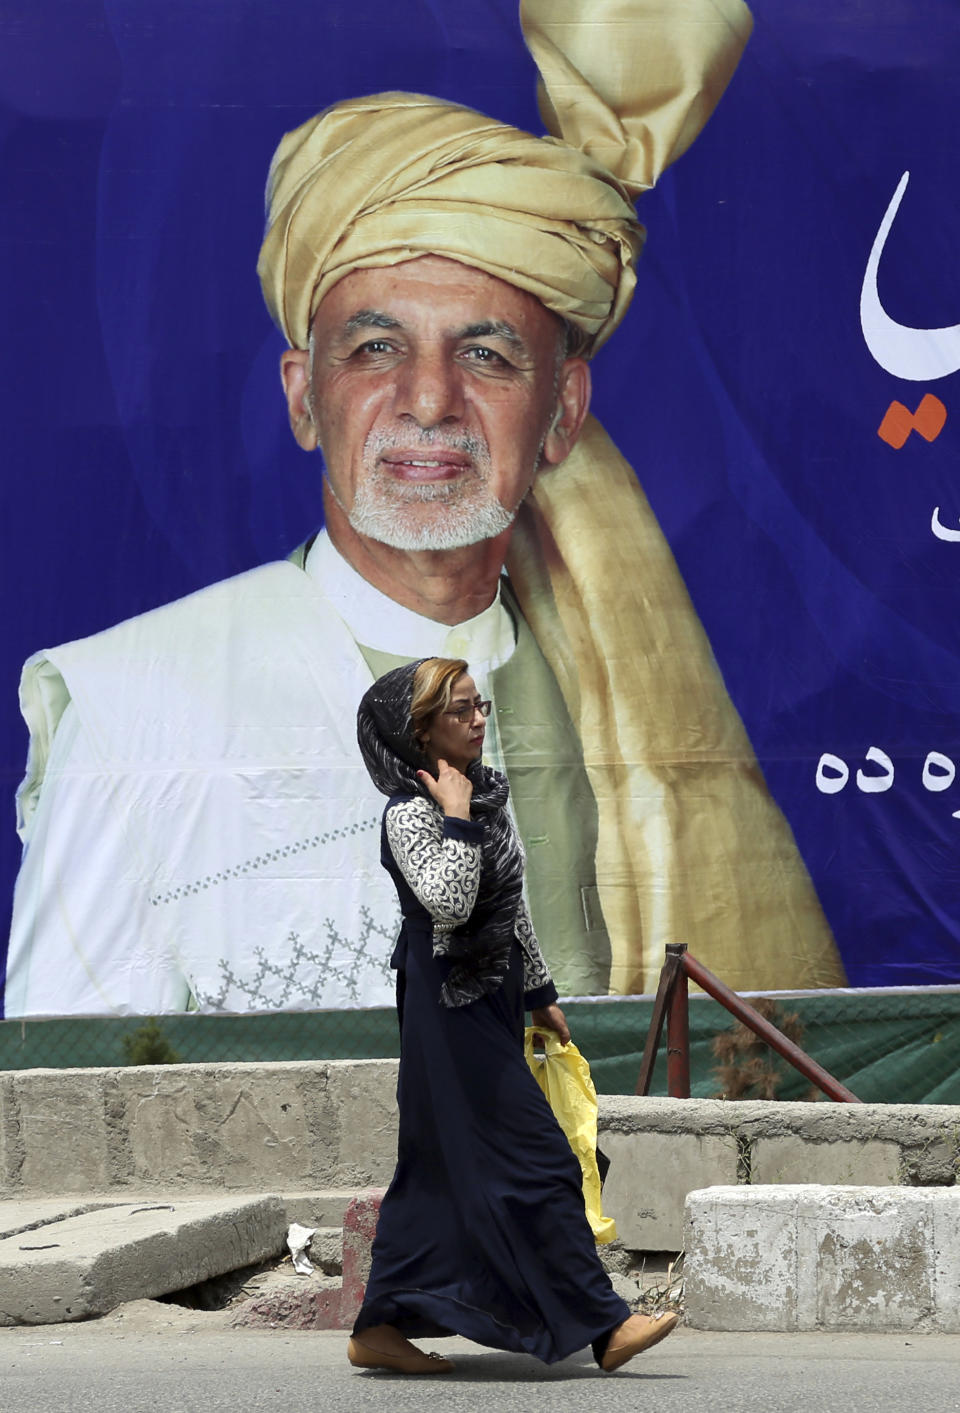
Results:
<point x="145" y="445"/>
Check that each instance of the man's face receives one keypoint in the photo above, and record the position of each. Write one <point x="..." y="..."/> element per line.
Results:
<point x="432" y="390"/>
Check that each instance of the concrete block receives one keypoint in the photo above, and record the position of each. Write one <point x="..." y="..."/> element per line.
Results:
<point x="740" y="1259"/>
<point x="808" y="1257"/>
<point x="946" y="1252"/>
<point x="10" y="1156"/>
<point x="874" y="1260"/>
<point x="363" y="1096"/>
<point x="87" y="1265"/>
<point x="163" y="1125"/>
<point x="63" y="1131"/>
<point x="650" y="1176"/>
<point x="260" y="1129"/>
<point x="32" y="1213"/>
<point x="242" y="1127"/>
<point x="325" y="1208"/>
<point x="792" y="1159"/>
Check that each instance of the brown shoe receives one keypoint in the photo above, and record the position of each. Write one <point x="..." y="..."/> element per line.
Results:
<point x="361" y="1356"/>
<point x="637" y="1333"/>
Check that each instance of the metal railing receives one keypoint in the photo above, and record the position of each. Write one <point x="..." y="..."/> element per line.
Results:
<point x="672" y="1005"/>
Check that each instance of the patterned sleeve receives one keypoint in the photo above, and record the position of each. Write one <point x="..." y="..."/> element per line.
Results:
<point x="538" y="986"/>
<point x="439" y="858"/>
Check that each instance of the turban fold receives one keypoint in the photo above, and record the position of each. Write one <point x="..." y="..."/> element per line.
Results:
<point x="625" y="86"/>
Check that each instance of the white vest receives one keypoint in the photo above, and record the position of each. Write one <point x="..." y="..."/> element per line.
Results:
<point x="195" y="841"/>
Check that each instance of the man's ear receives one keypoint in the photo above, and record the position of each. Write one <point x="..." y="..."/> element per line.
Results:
<point x="572" y="404"/>
<point x="295" y="374"/>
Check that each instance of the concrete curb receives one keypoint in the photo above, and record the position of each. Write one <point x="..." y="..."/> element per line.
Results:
<point x="817" y="1257"/>
<point x="288" y="1126"/>
<point x="302" y="1126"/>
<point x="662" y="1149"/>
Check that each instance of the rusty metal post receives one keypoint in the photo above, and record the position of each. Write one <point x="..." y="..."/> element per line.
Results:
<point x="668" y="974"/>
<point x="678" y="1028"/>
<point x="775" y="1038"/>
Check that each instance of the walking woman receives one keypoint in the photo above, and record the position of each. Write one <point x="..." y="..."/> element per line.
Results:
<point x="482" y="1232"/>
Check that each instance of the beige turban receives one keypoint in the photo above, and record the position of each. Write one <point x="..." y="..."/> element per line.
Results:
<point x="691" y="846"/>
<point x="626" y="85"/>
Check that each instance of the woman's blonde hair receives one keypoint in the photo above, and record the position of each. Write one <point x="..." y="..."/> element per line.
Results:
<point x="432" y="690"/>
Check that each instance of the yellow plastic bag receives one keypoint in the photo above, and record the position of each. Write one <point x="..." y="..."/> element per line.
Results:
<point x="564" y="1076"/>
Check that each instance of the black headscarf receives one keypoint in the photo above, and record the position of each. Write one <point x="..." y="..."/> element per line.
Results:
<point x="480" y="948"/>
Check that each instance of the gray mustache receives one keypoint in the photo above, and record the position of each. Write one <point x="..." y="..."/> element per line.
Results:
<point x="428" y="439"/>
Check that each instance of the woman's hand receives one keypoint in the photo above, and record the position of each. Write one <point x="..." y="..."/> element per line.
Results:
<point x="551" y="1018"/>
<point x="451" y="790"/>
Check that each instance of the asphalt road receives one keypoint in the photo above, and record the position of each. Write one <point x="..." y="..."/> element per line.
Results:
<point x="147" y="1358"/>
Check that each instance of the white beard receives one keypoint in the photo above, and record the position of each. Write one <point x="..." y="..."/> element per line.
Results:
<point x="428" y="515"/>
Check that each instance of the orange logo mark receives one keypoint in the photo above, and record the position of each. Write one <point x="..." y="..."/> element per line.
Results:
<point x="898" y="421"/>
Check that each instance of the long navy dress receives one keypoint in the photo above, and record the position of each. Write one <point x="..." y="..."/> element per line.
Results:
<point x="482" y="1232"/>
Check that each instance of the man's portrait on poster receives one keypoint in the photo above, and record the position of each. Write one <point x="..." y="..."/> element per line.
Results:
<point x="197" y="825"/>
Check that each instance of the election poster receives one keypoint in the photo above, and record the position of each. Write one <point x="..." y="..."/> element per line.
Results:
<point x="719" y="631"/>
